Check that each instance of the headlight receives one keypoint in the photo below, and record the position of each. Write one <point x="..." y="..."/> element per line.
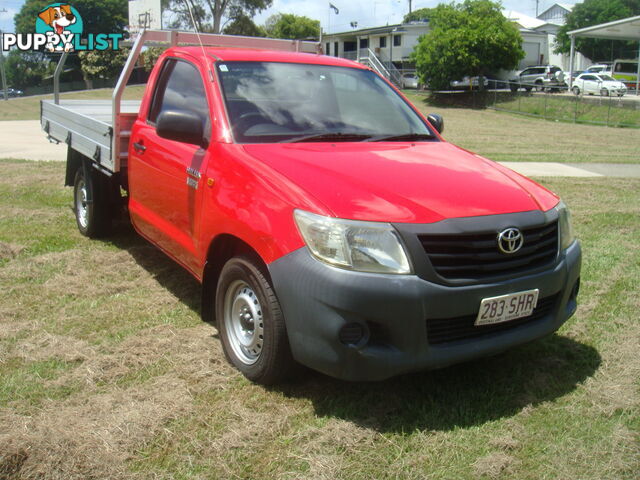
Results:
<point x="564" y="222"/>
<point x="362" y="246"/>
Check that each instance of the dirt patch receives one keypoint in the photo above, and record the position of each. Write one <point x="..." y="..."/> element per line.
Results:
<point x="493" y="465"/>
<point x="11" y="463"/>
<point x="90" y="437"/>
<point x="9" y="251"/>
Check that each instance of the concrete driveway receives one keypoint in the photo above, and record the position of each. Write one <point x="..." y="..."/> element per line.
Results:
<point x="25" y="139"/>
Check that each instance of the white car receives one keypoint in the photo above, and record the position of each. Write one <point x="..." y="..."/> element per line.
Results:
<point x="469" y="82"/>
<point x="409" y="80"/>
<point x="599" y="68"/>
<point x="600" y="84"/>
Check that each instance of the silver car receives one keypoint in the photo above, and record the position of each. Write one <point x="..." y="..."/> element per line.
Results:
<point x="540" y="77"/>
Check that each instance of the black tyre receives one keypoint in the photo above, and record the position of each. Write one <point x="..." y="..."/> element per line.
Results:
<point x="576" y="90"/>
<point x="539" y="86"/>
<point x="604" y="92"/>
<point x="90" y="206"/>
<point x="251" y="323"/>
<point x="513" y="87"/>
<point x="528" y="88"/>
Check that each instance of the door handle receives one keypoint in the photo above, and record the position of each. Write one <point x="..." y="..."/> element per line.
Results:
<point x="139" y="147"/>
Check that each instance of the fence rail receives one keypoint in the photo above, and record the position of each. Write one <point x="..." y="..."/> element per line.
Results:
<point x="557" y="104"/>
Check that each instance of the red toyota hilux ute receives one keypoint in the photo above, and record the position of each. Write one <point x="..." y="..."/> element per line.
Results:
<point x="330" y="223"/>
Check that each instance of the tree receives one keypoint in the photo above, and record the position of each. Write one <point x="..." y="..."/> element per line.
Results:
<point x="208" y="14"/>
<point x="288" y="25"/>
<point x="422" y="14"/>
<point x="594" y="12"/>
<point x="98" y="16"/>
<point x="101" y="64"/>
<point x="468" y="39"/>
<point x="27" y="69"/>
<point x="243" y="25"/>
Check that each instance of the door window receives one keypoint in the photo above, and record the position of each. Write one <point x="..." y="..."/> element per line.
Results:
<point x="179" y="87"/>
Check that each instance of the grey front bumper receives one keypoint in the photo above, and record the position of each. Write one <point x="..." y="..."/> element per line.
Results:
<point x="319" y="300"/>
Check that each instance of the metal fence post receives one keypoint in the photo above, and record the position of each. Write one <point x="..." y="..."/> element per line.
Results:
<point x="575" y="111"/>
<point x="609" y="110"/>
<point x="546" y="95"/>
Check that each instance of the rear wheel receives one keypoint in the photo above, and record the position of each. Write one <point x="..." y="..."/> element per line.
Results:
<point x="539" y="86"/>
<point x="604" y="92"/>
<point x="90" y="205"/>
<point x="251" y="323"/>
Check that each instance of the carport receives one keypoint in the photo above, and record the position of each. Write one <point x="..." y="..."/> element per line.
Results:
<point x="625" y="29"/>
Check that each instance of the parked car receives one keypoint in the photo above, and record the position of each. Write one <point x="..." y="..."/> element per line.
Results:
<point x="539" y="77"/>
<point x="599" y="68"/>
<point x="409" y="80"/>
<point x="600" y="84"/>
<point x="12" y="92"/>
<point x="329" y="222"/>
<point x="469" y="83"/>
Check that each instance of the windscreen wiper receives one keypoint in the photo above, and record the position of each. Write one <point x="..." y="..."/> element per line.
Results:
<point x="402" y="137"/>
<point x="330" y="137"/>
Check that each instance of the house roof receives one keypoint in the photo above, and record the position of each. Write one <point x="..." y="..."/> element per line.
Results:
<point x="525" y="21"/>
<point x="568" y="7"/>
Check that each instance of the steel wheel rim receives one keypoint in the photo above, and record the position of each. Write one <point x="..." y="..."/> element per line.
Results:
<point x="243" y="321"/>
<point x="82" y="208"/>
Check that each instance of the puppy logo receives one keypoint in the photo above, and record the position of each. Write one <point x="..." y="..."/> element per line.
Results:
<point x="60" y="22"/>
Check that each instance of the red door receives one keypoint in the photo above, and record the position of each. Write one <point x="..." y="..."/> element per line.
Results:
<point x="165" y="187"/>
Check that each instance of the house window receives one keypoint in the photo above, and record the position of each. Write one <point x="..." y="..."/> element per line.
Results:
<point x="327" y="50"/>
<point x="335" y="49"/>
<point x="383" y="42"/>
<point x="397" y="40"/>
<point x="364" y="43"/>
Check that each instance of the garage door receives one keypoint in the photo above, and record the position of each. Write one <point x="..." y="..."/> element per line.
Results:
<point x="532" y="54"/>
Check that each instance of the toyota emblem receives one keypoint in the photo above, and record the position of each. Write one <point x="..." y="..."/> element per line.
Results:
<point x="510" y="240"/>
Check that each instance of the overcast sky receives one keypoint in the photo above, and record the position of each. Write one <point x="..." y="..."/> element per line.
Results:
<point x="367" y="13"/>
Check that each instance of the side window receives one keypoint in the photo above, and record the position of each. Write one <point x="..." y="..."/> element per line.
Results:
<point x="383" y="42"/>
<point x="179" y="87"/>
<point x="397" y="40"/>
<point x="526" y="71"/>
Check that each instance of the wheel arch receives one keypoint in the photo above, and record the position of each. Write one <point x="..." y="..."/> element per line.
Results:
<point x="221" y="249"/>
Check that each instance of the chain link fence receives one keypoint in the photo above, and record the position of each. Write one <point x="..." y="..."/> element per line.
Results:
<point x="557" y="104"/>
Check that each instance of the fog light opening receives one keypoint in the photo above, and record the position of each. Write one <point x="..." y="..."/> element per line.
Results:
<point x="353" y="334"/>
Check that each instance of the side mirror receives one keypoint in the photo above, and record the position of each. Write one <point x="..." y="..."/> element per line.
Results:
<point x="182" y="126"/>
<point x="437" y="121"/>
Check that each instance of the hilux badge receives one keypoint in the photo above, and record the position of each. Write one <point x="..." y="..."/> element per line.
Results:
<point x="510" y="240"/>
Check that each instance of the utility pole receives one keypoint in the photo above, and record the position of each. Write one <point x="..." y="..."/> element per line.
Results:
<point x="2" y="72"/>
<point x="537" y="2"/>
<point x="409" y="6"/>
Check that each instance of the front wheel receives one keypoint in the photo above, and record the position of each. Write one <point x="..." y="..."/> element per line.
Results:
<point x="251" y="323"/>
<point x="575" y="90"/>
<point x="604" y="92"/>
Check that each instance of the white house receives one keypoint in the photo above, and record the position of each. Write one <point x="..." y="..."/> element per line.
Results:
<point x="387" y="49"/>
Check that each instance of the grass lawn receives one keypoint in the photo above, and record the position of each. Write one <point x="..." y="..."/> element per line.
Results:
<point x="28" y="108"/>
<point x="106" y="370"/>
<point x="503" y="136"/>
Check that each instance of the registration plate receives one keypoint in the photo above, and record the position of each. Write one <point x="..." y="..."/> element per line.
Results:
<point x="507" y="307"/>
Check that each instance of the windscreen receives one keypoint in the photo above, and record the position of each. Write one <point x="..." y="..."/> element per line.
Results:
<point x="270" y="102"/>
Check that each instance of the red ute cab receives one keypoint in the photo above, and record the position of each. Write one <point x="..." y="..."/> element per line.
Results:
<point x="330" y="223"/>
